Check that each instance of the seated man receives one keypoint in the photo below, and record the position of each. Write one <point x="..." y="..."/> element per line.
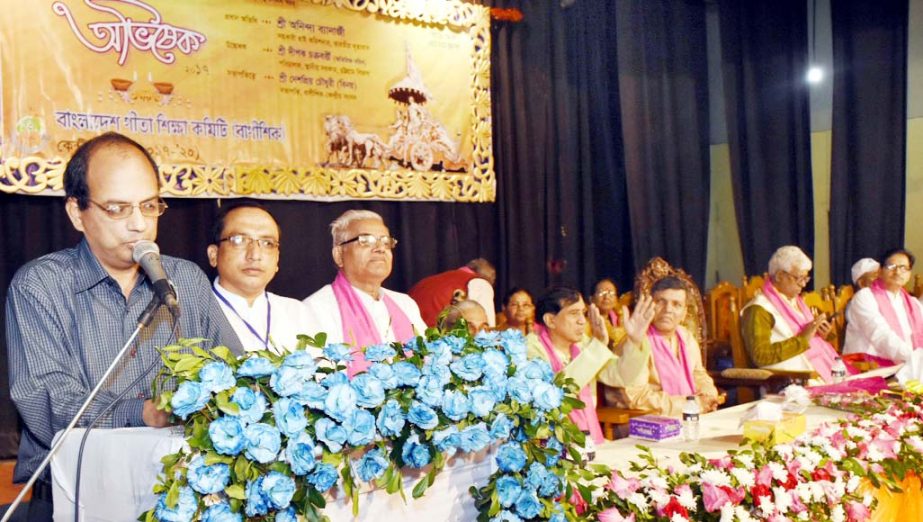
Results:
<point x="674" y="369"/>
<point x="559" y="338"/>
<point x="779" y="330"/>
<point x="245" y="250"/>
<point x="864" y="272"/>
<point x="471" y="311"/>
<point x="355" y="309"/>
<point x="605" y="297"/>
<point x="884" y="321"/>
<point x="473" y="281"/>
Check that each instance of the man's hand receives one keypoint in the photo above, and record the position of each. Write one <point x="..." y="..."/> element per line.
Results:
<point x="818" y="325"/>
<point x="153" y="417"/>
<point x="637" y="322"/>
<point x="708" y="403"/>
<point x="598" y="325"/>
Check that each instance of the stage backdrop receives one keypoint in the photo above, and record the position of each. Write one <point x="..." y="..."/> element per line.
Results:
<point x="271" y="98"/>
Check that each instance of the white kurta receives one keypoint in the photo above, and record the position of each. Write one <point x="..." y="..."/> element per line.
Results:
<point x="288" y="318"/>
<point x="867" y="331"/>
<point x="323" y="308"/>
<point x="481" y="292"/>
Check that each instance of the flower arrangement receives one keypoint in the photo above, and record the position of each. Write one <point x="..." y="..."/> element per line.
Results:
<point x="271" y="437"/>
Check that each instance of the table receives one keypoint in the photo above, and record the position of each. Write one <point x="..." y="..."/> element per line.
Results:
<point x="121" y="466"/>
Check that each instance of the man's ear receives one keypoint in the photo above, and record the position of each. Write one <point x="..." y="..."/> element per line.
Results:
<point x="548" y="320"/>
<point x="73" y="212"/>
<point x="212" y="252"/>
<point x="337" y="254"/>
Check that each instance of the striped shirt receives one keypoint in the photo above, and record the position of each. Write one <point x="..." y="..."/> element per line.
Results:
<point x="67" y="319"/>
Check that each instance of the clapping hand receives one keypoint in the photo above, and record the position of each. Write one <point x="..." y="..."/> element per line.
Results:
<point x="637" y="322"/>
<point x="598" y="325"/>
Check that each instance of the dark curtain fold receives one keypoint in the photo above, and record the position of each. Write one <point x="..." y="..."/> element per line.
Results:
<point x="663" y="87"/>
<point x="764" y="51"/>
<point x="868" y="171"/>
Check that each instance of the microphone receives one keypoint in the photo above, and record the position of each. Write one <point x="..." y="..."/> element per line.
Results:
<point x="147" y="254"/>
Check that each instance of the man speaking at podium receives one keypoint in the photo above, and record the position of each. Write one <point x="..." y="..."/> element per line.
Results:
<point x="70" y="312"/>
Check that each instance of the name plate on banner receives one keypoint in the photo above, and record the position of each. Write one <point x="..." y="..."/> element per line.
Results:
<point x="297" y="99"/>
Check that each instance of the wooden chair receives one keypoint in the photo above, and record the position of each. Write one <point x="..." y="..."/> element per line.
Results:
<point x="750" y="287"/>
<point x="626" y="299"/>
<point x="917" y="286"/>
<point x="718" y="320"/>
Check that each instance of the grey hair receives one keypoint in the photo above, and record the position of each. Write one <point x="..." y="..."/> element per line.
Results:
<point x="483" y="268"/>
<point x="340" y="225"/>
<point x="788" y="259"/>
<point x="456" y="311"/>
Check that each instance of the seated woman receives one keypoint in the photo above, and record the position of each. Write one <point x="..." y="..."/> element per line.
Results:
<point x="606" y="298"/>
<point x="673" y="370"/>
<point x="885" y="322"/>
<point x="518" y="311"/>
<point x="559" y="338"/>
<point x="471" y="311"/>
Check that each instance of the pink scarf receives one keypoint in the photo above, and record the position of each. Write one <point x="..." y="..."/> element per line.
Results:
<point x="358" y="326"/>
<point x="820" y="354"/>
<point x="884" y="306"/>
<point x="586" y="418"/>
<point x="613" y="318"/>
<point x="675" y="374"/>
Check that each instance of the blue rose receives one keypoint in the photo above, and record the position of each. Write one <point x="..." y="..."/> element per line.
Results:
<point x="519" y="389"/>
<point x="501" y="426"/>
<point x="287" y="515"/>
<point x="508" y="490"/>
<point x="384" y="374"/>
<point x="414" y="454"/>
<point x="535" y="476"/>
<point x="256" y="367"/>
<point x="189" y="398"/>
<point x="250" y="404"/>
<point x="289" y="416"/>
<point x="469" y="367"/>
<point x="554" y="444"/>
<point x="391" y="419"/>
<point x="340" y="353"/>
<point x="482" y="401"/>
<point x="497" y="384"/>
<point x="371" y="465"/>
<point x="312" y="395"/>
<point x="447" y="440"/>
<point x="536" y="369"/>
<point x="440" y="353"/>
<point x="514" y="343"/>
<point x="438" y="371"/>
<point x="406" y="373"/>
<point x="256" y="503"/>
<point x="510" y="457"/>
<point x="551" y="486"/>
<point x="360" y="428"/>
<point x="505" y="516"/>
<point x="299" y="453"/>
<point x="217" y="376"/>
<point x="557" y="516"/>
<point x="324" y="477"/>
<point x="455" y="405"/>
<point x="456" y="344"/>
<point x="422" y="415"/>
<point x="474" y="438"/>
<point x="221" y="513"/>
<point x="227" y="435"/>
<point x="277" y="489"/>
<point x="546" y="397"/>
<point x="370" y="393"/>
<point x="528" y="505"/>
<point x="263" y="442"/>
<point x="487" y="339"/>
<point x="379" y="353"/>
<point x="330" y="433"/>
<point x="496" y="363"/>
<point x="430" y="390"/>
<point x="341" y="401"/>
<point x="335" y="379"/>
<point x="207" y="479"/>
<point x="302" y="361"/>
<point x="184" y="509"/>
<point x="287" y="381"/>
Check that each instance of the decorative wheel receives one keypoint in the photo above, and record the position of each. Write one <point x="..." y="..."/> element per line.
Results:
<point x="421" y="156"/>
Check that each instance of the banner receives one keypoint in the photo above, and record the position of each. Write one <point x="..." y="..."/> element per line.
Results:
<point x="386" y="99"/>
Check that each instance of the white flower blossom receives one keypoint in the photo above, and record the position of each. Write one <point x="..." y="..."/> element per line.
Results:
<point x="783" y="499"/>
<point x="745" y="460"/>
<point x="744" y="477"/>
<point x="657" y="482"/>
<point x="853" y="483"/>
<point x="687" y="499"/>
<point x="727" y="512"/>
<point x="766" y="506"/>
<point x="658" y="497"/>
<point x="742" y="514"/>
<point x="778" y="471"/>
<point x="716" y="477"/>
<point x="638" y="499"/>
<point x="838" y="514"/>
<point x="678" y="518"/>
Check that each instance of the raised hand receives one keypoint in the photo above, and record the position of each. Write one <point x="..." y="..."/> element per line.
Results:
<point x="637" y="322"/>
<point x="598" y="325"/>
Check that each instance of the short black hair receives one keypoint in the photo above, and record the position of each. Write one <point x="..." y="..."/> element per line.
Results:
<point x="513" y="291"/>
<point x="669" y="283"/>
<point x="221" y="217"/>
<point x="555" y="299"/>
<point x="895" y="251"/>
<point x="75" y="173"/>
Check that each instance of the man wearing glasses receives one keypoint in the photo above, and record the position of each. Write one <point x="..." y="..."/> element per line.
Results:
<point x="779" y="330"/>
<point x="355" y="309"/>
<point x="69" y="312"/>
<point x="245" y="251"/>
<point x="884" y="321"/>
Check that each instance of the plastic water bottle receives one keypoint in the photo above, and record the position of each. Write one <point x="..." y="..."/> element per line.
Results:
<point x="838" y="371"/>
<point x="691" y="413"/>
<point x="588" y="451"/>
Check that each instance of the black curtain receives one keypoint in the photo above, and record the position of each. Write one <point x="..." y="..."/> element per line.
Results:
<point x="867" y="185"/>
<point x="663" y="87"/>
<point x="764" y="51"/>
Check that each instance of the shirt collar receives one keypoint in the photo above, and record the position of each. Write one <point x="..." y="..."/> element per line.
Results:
<point x="237" y="301"/>
<point x="89" y="272"/>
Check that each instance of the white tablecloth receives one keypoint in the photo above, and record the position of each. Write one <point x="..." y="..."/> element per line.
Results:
<point x="121" y="466"/>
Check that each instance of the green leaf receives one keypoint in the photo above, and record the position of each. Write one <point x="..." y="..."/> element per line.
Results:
<point x="186" y="363"/>
<point x="242" y="468"/>
<point x="212" y="457"/>
<point x="315" y="498"/>
<point x="173" y="494"/>
<point x="225" y="354"/>
<point x="420" y="488"/>
<point x="235" y="491"/>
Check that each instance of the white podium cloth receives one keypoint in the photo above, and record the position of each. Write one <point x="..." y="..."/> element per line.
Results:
<point x="121" y="466"/>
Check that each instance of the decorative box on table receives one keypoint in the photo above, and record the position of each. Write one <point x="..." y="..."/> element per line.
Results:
<point x="654" y="427"/>
<point x="777" y="432"/>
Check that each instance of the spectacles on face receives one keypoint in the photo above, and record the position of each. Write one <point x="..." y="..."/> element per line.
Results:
<point x="605" y="293"/>
<point x="151" y="208"/>
<point x="801" y="280"/>
<point x="370" y="241"/>
<point x="242" y="241"/>
<point x="894" y="267"/>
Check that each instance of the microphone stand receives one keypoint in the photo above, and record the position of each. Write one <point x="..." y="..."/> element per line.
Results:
<point x="144" y="320"/>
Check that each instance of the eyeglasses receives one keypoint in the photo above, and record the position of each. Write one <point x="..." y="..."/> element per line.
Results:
<point x="894" y="267"/>
<point x="151" y="208"/>
<point x="370" y="241"/>
<point x="242" y="241"/>
<point x="799" y="279"/>
<point x="606" y="293"/>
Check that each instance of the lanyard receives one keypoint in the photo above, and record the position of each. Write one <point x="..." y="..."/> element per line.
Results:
<point x="265" y="340"/>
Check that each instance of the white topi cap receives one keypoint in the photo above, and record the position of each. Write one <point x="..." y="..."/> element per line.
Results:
<point x="862" y="267"/>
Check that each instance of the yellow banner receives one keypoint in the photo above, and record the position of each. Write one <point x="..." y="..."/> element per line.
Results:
<point x="265" y="98"/>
